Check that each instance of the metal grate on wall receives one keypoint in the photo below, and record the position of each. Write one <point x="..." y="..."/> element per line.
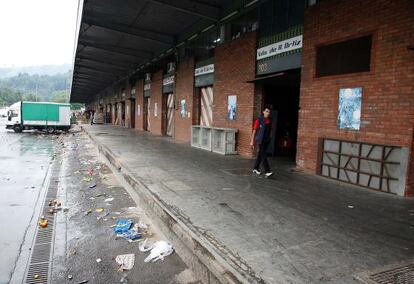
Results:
<point x="369" y="165"/>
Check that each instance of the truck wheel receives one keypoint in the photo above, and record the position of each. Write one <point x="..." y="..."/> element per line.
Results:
<point x="17" y="129"/>
<point x="50" y="130"/>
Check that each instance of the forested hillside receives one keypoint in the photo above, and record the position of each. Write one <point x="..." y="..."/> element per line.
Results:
<point x="6" y="72"/>
<point x="50" y="88"/>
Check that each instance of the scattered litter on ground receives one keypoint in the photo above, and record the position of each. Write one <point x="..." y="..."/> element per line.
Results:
<point x="87" y="179"/>
<point x="142" y="226"/>
<point x="36" y="276"/>
<point x="125" y="261"/>
<point x="88" y="212"/>
<point x="56" y="206"/>
<point x="109" y="199"/>
<point x="70" y="276"/>
<point x="100" y="217"/>
<point x="43" y="222"/>
<point x="92" y="198"/>
<point x="132" y="234"/>
<point x="83" y="282"/>
<point x="99" y="210"/>
<point x="92" y="185"/>
<point x="54" y="202"/>
<point x="98" y="260"/>
<point x="101" y="194"/>
<point x="124" y="278"/>
<point x="77" y="172"/>
<point x="159" y="250"/>
<point x="122" y="226"/>
<point x="350" y="206"/>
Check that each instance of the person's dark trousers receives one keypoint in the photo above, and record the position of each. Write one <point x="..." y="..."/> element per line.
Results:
<point x="262" y="158"/>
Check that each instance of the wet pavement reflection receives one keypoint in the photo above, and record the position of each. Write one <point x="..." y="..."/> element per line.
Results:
<point x="24" y="162"/>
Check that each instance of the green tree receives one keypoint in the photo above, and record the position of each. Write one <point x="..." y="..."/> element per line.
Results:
<point x="30" y="97"/>
<point x="60" y="97"/>
<point x="9" y="96"/>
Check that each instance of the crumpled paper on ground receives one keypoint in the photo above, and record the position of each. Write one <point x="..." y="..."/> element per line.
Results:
<point x="125" y="261"/>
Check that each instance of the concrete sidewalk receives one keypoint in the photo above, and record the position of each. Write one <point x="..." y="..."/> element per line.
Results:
<point x="293" y="228"/>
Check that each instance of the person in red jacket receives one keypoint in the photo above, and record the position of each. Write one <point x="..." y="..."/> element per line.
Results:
<point x="262" y="134"/>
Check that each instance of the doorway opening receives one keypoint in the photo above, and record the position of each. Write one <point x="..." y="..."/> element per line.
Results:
<point x="168" y="114"/>
<point x="132" y="113"/>
<point x="281" y="95"/>
<point x="117" y="113"/>
<point x="123" y="113"/>
<point x="206" y="106"/>
<point x="108" y="118"/>
<point x="146" y="113"/>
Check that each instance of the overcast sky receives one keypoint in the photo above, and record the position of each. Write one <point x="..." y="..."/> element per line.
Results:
<point x="37" y="32"/>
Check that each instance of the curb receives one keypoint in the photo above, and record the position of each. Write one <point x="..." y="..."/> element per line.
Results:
<point x="210" y="260"/>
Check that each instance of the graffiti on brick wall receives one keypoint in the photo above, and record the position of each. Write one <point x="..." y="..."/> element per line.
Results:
<point x="349" y="108"/>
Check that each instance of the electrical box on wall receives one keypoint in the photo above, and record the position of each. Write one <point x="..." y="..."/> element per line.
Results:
<point x="147" y="76"/>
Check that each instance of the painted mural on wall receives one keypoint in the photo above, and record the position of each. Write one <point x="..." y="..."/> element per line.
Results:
<point x="231" y="107"/>
<point x="349" y="108"/>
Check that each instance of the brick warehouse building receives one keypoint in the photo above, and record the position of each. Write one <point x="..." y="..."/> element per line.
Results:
<point x="307" y="60"/>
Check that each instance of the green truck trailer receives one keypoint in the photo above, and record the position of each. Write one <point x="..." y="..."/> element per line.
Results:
<point x="38" y="115"/>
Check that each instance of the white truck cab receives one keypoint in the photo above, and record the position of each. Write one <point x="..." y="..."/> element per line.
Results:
<point x="14" y="117"/>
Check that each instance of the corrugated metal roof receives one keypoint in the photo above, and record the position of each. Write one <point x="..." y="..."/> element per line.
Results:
<point x="117" y="37"/>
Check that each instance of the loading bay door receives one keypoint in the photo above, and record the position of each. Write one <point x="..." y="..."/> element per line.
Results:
<point x="206" y="114"/>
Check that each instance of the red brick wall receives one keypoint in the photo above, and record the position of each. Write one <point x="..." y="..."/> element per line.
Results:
<point x="184" y="89"/>
<point x="139" y="122"/>
<point x="156" y="98"/>
<point x="234" y="64"/>
<point x="388" y="89"/>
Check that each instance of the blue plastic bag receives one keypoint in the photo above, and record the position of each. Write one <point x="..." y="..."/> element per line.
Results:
<point x="131" y="235"/>
<point x="122" y="226"/>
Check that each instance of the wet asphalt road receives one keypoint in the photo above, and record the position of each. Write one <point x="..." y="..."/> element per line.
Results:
<point x="24" y="163"/>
